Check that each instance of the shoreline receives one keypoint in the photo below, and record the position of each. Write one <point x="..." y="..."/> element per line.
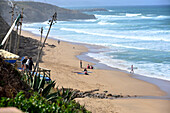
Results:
<point x="90" y="59"/>
<point x="62" y="63"/>
<point x="162" y="84"/>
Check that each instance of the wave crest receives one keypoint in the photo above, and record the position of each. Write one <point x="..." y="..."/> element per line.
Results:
<point x="132" y="15"/>
<point x="128" y="16"/>
<point x="115" y="35"/>
<point x="105" y="23"/>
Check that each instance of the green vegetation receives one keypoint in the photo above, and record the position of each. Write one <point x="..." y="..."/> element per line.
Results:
<point x="33" y="94"/>
<point x="39" y="85"/>
<point x="38" y="104"/>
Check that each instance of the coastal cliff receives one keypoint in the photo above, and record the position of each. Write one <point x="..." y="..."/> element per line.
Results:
<point x="40" y="12"/>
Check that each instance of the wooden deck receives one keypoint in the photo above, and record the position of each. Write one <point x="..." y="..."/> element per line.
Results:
<point x="44" y="71"/>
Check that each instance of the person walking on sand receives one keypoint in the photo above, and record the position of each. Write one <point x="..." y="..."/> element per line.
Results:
<point x="132" y="70"/>
<point x="30" y="65"/>
<point x="80" y="63"/>
<point x="27" y="64"/>
<point x="23" y="63"/>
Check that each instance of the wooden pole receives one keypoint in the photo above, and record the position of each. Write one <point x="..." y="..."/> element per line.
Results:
<point x="10" y="42"/>
<point x="37" y="61"/>
<point x="18" y="41"/>
<point x="5" y="47"/>
<point x="16" y="38"/>
<point x="10" y="30"/>
<point x="41" y="36"/>
<point x="39" y="46"/>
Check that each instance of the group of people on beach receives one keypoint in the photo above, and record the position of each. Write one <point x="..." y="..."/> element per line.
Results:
<point x="85" y="69"/>
<point x="88" y="67"/>
<point x="91" y="67"/>
<point x="27" y="64"/>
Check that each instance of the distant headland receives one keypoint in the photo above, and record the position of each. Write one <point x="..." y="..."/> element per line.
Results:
<point x="92" y="10"/>
<point x="40" y="12"/>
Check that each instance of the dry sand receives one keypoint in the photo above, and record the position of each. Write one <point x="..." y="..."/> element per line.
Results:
<point x="63" y="63"/>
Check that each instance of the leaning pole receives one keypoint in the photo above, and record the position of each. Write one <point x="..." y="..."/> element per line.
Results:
<point x="10" y="30"/>
<point x="54" y="18"/>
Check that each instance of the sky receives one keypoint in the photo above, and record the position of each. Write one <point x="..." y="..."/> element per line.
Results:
<point x="69" y="3"/>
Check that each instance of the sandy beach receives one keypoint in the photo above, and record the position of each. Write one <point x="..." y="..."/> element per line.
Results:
<point x="62" y="62"/>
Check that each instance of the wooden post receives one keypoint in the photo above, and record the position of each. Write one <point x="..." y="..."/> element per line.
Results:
<point x="9" y="32"/>
<point x="39" y="46"/>
<point x="16" y="38"/>
<point x="40" y="38"/>
<point x="18" y="41"/>
<point x="54" y="18"/>
<point x="10" y="42"/>
<point x="6" y="44"/>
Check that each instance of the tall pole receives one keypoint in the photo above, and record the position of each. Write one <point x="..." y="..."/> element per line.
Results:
<point x="18" y="41"/>
<point x="54" y="18"/>
<point x="39" y="46"/>
<point x="41" y="37"/>
<point x="6" y="44"/>
<point x="10" y="42"/>
<point x="16" y="38"/>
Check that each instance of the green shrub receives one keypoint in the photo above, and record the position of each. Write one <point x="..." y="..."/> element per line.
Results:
<point x="38" y="104"/>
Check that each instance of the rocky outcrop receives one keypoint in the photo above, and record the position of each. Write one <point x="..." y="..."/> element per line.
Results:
<point x="10" y="82"/>
<point x="95" y="94"/>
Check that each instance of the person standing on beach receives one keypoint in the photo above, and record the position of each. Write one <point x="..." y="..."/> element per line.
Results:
<point x="80" y="63"/>
<point x="24" y="63"/>
<point x="58" y="41"/>
<point x="132" y="71"/>
<point x="27" y="64"/>
<point x="30" y="65"/>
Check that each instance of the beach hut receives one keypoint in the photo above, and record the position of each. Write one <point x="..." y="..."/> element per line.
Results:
<point x="8" y="57"/>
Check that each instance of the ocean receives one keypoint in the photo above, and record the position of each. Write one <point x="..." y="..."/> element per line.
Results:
<point x="130" y="35"/>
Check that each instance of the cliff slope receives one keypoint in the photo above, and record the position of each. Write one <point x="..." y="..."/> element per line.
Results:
<point x="40" y="12"/>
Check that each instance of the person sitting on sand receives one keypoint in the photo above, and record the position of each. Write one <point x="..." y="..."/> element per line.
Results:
<point x="85" y="69"/>
<point x="88" y="66"/>
<point x="91" y="67"/>
<point x="85" y="73"/>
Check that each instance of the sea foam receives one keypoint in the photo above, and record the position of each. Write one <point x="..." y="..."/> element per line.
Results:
<point x="105" y="23"/>
<point x="119" y="35"/>
<point x="132" y="15"/>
